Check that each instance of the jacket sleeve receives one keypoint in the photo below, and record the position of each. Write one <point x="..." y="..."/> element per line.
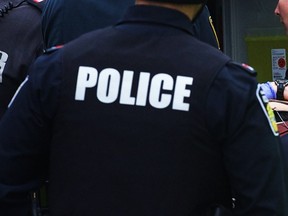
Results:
<point x="240" y="118"/>
<point x="24" y="135"/>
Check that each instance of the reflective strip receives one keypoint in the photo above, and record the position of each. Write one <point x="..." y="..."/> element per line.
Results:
<point x="19" y="88"/>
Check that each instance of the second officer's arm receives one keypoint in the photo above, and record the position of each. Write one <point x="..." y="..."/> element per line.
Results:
<point x="25" y="135"/>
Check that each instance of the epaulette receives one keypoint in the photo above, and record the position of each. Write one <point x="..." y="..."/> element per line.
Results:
<point x="52" y="49"/>
<point x="39" y="4"/>
<point x="246" y="68"/>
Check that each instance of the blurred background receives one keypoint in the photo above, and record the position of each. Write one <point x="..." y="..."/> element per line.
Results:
<point x="251" y="33"/>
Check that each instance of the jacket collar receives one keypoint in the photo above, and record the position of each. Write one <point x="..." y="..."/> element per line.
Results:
<point x="158" y="15"/>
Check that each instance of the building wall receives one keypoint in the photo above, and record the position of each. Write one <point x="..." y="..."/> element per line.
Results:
<point x="242" y="18"/>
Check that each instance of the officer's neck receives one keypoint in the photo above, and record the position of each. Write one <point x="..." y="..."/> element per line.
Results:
<point x="190" y="10"/>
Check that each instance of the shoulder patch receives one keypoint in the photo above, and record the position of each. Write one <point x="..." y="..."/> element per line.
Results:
<point x="39" y="4"/>
<point x="246" y="68"/>
<point x="267" y="109"/>
<point x="52" y="49"/>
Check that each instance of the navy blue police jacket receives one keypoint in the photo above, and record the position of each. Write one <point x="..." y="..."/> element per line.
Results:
<point x="141" y="118"/>
<point x="20" y="43"/>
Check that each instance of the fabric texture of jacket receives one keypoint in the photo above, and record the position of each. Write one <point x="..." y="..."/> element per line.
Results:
<point x="141" y="118"/>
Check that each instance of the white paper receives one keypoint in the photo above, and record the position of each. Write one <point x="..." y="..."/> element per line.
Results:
<point x="279" y="66"/>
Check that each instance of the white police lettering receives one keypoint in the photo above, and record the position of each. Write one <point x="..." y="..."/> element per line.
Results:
<point x="181" y="92"/>
<point x="108" y="85"/>
<point x="156" y="99"/>
<point x="125" y="95"/>
<point x="3" y="60"/>
<point x="149" y="89"/>
<point x="87" y="78"/>
<point x="143" y="86"/>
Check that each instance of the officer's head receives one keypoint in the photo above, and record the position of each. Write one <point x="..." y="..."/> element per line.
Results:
<point x="281" y="10"/>
<point x="189" y="7"/>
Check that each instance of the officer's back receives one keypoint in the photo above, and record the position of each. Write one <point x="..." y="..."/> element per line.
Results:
<point x="125" y="116"/>
<point x="141" y="124"/>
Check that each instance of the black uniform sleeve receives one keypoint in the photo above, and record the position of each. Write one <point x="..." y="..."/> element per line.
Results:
<point x="25" y="136"/>
<point x="237" y="117"/>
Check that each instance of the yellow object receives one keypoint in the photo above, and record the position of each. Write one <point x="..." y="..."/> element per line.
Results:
<point x="214" y="31"/>
<point x="259" y="54"/>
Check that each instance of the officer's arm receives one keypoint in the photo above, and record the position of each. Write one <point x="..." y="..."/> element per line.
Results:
<point x="270" y="89"/>
<point x="238" y="119"/>
<point x="24" y="138"/>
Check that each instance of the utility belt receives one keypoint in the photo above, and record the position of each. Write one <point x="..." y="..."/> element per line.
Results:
<point x="40" y="205"/>
<point x="39" y="201"/>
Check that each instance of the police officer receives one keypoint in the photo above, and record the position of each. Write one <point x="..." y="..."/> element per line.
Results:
<point x="65" y="20"/>
<point x="142" y="118"/>
<point x="20" y="43"/>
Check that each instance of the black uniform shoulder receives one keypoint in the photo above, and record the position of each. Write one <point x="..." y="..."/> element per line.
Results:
<point x="250" y="70"/>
